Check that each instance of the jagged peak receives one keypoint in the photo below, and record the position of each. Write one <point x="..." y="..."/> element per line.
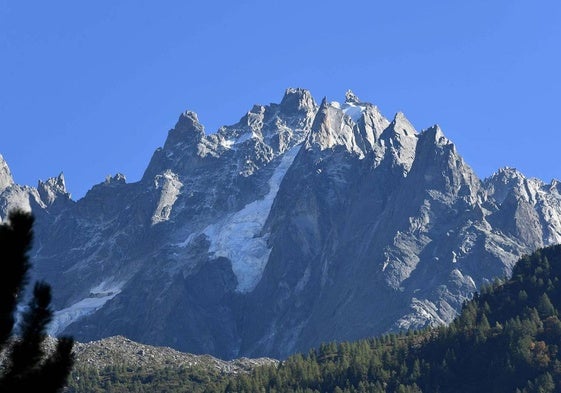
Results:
<point x="433" y="140"/>
<point x="331" y="127"/>
<point x="187" y="130"/>
<point x="297" y="100"/>
<point x="119" y="178"/>
<point x="253" y="118"/>
<point x="401" y="125"/>
<point x="6" y="179"/>
<point x="400" y="120"/>
<point x="257" y="109"/>
<point x="322" y="110"/>
<point x="400" y="139"/>
<point x="555" y="186"/>
<point x="52" y="188"/>
<point x="510" y="181"/>
<point x="371" y="124"/>
<point x="190" y="121"/>
<point x="114" y="181"/>
<point x="508" y="173"/>
<point x="435" y="131"/>
<point x="256" y="112"/>
<point x="504" y="177"/>
<point x="351" y="98"/>
<point x="435" y="135"/>
<point x="56" y="182"/>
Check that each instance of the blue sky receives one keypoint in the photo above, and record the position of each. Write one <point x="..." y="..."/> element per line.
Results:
<point x="92" y="88"/>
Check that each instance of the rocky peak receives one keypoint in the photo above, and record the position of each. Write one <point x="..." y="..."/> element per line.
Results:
<point x="436" y="135"/>
<point x="52" y="189"/>
<point x="400" y="140"/>
<point x="523" y="208"/>
<point x="433" y="142"/>
<point x="443" y="168"/>
<point x="6" y="179"/>
<point x="433" y="139"/>
<point x="371" y="125"/>
<point x="188" y="130"/>
<point x="351" y="98"/>
<point x="503" y="182"/>
<point x="254" y="118"/>
<point x="401" y="125"/>
<point x="297" y="101"/>
<point x="185" y="142"/>
<point x="119" y="178"/>
<point x="507" y="175"/>
<point x="555" y="185"/>
<point x="331" y="127"/>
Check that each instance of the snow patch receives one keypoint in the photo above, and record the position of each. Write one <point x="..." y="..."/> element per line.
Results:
<point x="353" y="111"/>
<point x="99" y="295"/>
<point x="228" y="143"/>
<point x="244" y="137"/>
<point x="239" y="238"/>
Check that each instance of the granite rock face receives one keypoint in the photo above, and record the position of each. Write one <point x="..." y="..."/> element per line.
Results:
<point x="300" y="224"/>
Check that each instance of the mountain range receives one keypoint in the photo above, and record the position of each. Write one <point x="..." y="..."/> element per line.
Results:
<point x="300" y="224"/>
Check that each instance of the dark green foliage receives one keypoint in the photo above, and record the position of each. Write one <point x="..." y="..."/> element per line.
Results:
<point x="141" y="380"/>
<point x="25" y="366"/>
<point x="15" y="242"/>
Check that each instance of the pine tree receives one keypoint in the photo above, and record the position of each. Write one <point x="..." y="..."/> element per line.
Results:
<point x="545" y="307"/>
<point x="25" y="366"/>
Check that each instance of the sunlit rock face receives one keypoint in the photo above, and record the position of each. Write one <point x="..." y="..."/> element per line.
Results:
<point x="300" y="224"/>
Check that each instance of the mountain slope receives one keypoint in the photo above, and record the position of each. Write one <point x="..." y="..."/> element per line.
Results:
<point x="300" y="224"/>
<point x="505" y="340"/>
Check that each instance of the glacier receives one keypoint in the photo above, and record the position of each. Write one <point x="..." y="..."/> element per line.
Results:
<point x="99" y="295"/>
<point x="239" y="237"/>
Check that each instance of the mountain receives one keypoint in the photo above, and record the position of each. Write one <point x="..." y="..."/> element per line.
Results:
<point x="300" y="224"/>
<point x="505" y="340"/>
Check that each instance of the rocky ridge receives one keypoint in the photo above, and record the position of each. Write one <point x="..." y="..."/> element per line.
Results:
<point x="122" y="352"/>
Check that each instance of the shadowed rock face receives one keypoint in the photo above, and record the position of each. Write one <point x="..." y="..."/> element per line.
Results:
<point x="300" y="224"/>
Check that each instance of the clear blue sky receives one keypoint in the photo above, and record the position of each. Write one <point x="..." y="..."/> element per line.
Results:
<point x="90" y="88"/>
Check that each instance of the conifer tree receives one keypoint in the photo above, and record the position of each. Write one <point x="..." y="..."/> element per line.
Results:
<point x="545" y="307"/>
<point x="24" y="364"/>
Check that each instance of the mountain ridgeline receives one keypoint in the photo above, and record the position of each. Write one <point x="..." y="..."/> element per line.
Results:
<point x="302" y="223"/>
